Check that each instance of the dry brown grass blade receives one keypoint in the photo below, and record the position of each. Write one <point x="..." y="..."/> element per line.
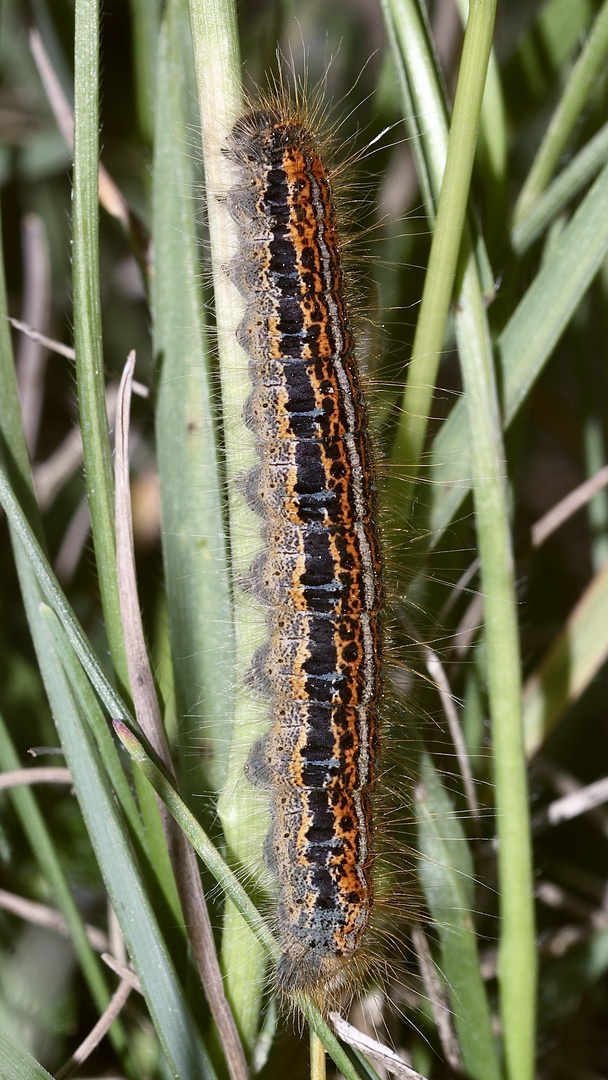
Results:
<point x="383" y="1055"/>
<point x="438" y="1000"/>
<point x="576" y="802"/>
<point x="97" y="1033"/>
<point x="574" y="501"/>
<point x="125" y="973"/>
<point x="110" y="196"/>
<point x="437" y="672"/>
<point x="147" y="710"/>
<point x="45" y="774"/>
<point x="41" y="915"/>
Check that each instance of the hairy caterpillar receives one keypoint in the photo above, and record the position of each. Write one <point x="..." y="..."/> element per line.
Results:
<point x="320" y="575"/>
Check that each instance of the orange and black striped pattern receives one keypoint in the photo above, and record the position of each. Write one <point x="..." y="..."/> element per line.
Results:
<point x="320" y="574"/>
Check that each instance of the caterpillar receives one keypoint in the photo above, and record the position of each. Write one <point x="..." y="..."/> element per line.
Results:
<point x="319" y="576"/>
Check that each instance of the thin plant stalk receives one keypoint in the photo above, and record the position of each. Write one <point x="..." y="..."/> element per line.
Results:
<point x="517" y="948"/>
<point x="447" y="237"/>
<point x="87" y="321"/>
<point x="580" y="84"/>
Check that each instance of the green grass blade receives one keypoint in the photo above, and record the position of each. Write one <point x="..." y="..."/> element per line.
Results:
<point x="204" y="847"/>
<point x="449" y="226"/>
<point x="557" y="29"/>
<point x="105" y="744"/>
<point x="565" y="187"/>
<point x="413" y="61"/>
<point x="194" y="545"/>
<point x="423" y="100"/>
<point x="517" y="948"/>
<point x="415" y="57"/>
<point x="17" y="1064"/>
<point x="145" y="20"/>
<point x="56" y="598"/>
<point x="172" y="1019"/>
<point x="148" y="832"/>
<point x="59" y="700"/>
<point x="580" y="84"/>
<point x="570" y="664"/>
<point x="87" y="321"/>
<point x="451" y="213"/>
<point x="34" y="557"/>
<point x="525" y="345"/>
<point x="492" y="144"/>
<point x="80" y="653"/>
<point x="445" y="870"/>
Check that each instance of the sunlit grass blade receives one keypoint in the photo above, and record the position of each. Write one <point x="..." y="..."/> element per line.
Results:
<point x="194" y="545"/>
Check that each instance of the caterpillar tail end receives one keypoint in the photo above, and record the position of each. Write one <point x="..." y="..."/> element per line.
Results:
<point x="323" y="981"/>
